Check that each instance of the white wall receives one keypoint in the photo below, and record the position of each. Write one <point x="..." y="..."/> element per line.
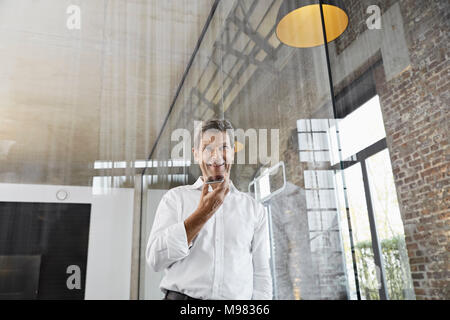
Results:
<point x="151" y="279"/>
<point x="110" y="233"/>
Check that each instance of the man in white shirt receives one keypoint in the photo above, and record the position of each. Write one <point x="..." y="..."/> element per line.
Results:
<point x="211" y="240"/>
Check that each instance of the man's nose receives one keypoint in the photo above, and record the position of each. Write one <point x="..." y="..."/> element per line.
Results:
<point x="216" y="154"/>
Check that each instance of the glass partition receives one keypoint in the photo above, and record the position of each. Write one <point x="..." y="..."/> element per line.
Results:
<point x="325" y="222"/>
<point x="278" y="100"/>
<point x="371" y="53"/>
<point x="340" y="115"/>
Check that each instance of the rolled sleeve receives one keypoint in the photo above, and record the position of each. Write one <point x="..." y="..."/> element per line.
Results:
<point x="167" y="242"/>
<point x="176" y="238"/>
<point x="262" y="278"/>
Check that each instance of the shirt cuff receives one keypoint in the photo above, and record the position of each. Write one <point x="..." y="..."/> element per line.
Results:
<point x="177" y="241"/>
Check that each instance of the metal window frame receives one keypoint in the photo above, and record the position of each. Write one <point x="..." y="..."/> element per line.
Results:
<point x="361" y="158"/>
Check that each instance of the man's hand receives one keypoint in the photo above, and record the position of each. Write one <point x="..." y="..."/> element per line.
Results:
<point x="211" y="201"/>
<point x="208" y="205"/>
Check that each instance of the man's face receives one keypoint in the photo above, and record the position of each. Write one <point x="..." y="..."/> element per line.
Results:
<point x="215" y="154"/>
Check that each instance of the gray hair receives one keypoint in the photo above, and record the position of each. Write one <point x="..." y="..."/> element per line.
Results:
<point x="222" y="125"/>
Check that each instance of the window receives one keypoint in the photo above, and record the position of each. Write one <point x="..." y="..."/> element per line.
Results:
<point x="369" y="198"/>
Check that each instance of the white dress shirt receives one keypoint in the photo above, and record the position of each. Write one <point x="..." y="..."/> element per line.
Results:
<point x="228" y="259"/>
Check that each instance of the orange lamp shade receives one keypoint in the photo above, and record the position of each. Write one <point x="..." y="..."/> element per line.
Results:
<point x="299" y="22"/>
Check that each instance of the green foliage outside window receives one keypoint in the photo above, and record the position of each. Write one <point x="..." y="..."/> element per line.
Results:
<point x="395" y="265"/>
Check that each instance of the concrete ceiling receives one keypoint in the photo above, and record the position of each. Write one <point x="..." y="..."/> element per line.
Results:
<point x="69" y="98"/>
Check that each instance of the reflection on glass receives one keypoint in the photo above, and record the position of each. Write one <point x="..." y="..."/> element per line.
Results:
<point x="324" y="226"/>
<point x="389" y="226"/>
<point x="359" y="129"/>
<point x="100" y="108"/>
<point x="342" y="205"/>
<point x="361" y="233"/>
<point x="314" y="139"/>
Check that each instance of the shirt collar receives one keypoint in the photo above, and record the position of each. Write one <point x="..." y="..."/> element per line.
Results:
<point x="199" y="183"/>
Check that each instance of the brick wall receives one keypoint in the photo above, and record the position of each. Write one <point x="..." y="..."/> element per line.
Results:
<point x="415" y="108"/>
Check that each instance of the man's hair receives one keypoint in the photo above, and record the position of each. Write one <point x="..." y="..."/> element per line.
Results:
<point x="222" y="125"/>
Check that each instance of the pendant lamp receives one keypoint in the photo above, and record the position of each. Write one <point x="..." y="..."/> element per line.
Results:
<point x="299" y="22"/>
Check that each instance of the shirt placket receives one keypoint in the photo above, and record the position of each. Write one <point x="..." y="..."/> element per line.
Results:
<point x="218" y="259"/>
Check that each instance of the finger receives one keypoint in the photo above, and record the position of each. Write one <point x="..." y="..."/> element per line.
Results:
<point x="205" y="189"/>
<point x="226" y="192"/>
<point x="226" y="179"/>
<point x="222" y="192"/>
<point x="217" y="190"/>
<point x="217" y="193"/>
<point x="221" y="184"/>
<point x="226" y="184"/>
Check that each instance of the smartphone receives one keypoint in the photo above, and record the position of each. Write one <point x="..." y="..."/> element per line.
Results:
<point x="217" y="179"/>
